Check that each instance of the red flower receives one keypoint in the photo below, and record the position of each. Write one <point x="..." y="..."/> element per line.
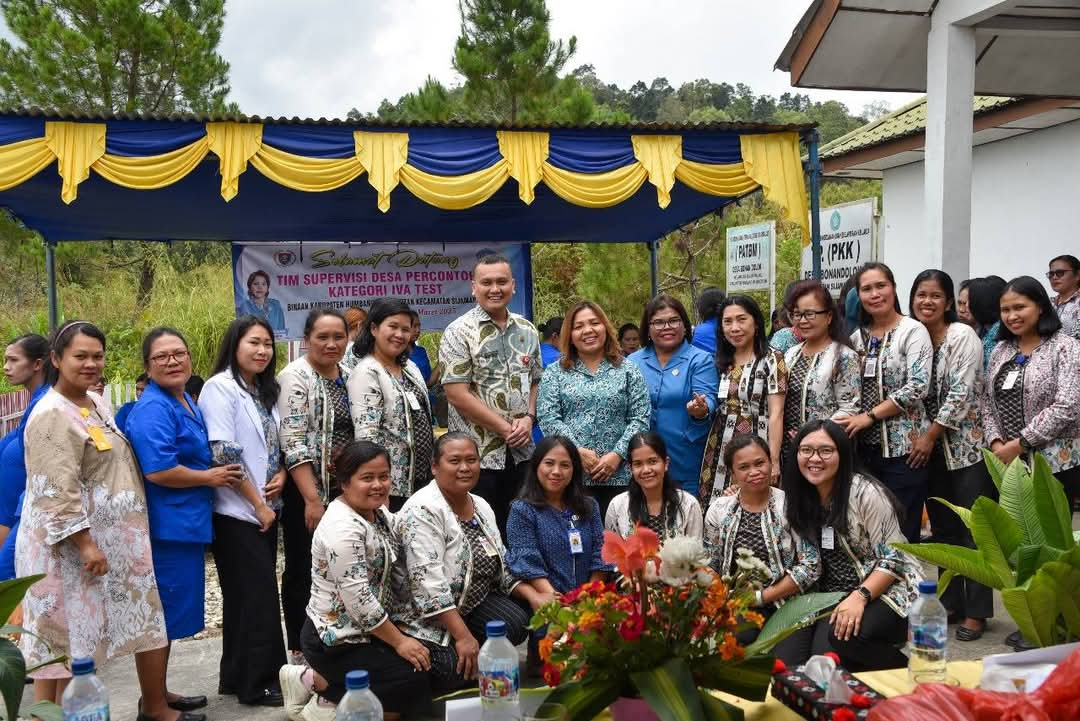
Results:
<point x="860" y="701"/>
<point x="843" y="714"/>
<point x="779" y="666"/>
<point x="551" y="675"/>
<point x="833" y="656"/>
<point x="632" y="627"/>
<point x="629" y="554"/>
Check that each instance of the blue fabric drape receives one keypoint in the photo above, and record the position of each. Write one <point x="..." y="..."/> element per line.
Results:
<point x="452" y="152"/>
<point x="135" y="138"/>
<point x="312" y="141"/>
<point x="12" y="130"/>
<point x="712" y="148"/>
<point x="590" y="152"/>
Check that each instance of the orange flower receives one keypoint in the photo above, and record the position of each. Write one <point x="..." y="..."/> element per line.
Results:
<point x="629" y="554"/>
<point x="546" y="644"/>
<point x="590" y="619"/>
<point x="730" y="648"/>
<point x="754" y="617"/>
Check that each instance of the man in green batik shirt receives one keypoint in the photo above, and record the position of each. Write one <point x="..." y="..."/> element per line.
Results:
<point x="492" y="369"/>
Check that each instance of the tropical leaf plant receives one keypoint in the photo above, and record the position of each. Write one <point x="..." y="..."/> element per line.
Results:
<point x="1024" y="547"/>
<point x="13" y="668"/>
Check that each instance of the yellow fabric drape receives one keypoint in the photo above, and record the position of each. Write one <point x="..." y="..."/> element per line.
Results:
<point x="456" y="192"/>
<point x="383" y="155"/>
<point x="727" y="180"/>
<point x="595" y="190"/>
<point x="155" y="171"/>
<point x="526" y="152"/>
<point x="774" y="161"/>
<point x="234" y="144"/>
<point x="23" y="160"/>
<point x="311" y="175"/>
<point x="659" y="155"/>
<point x="76" y="146"/>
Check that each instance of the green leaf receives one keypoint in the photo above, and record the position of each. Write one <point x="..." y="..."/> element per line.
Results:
<point x="964" y="561"/>
<point x="1066" y="581"/>
<point x="12" y="677"/>
<point x="583" y="701"/>
<point x="944" y="579"/>
<point x="12" y="592"/>
<point x="796" y="612"/>
<point x="1033" y="607"/>
<point x="748" y="679"/>
<point x="994" y="467"/>
<point x="717" y="709"/>
<point x="1055" y="513"/>
<point x="1030" y="558"/>
<point x="997" y="536"/>
<point x="44" y="710"/>
<point x="964" y="513"/>
<point x="670" y="691"/>
<point x="1017" y="499"/>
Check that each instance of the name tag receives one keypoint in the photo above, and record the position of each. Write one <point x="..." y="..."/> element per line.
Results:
<point x="526" y="382"/>
<point x="1010" y="380"/>
<point x="725" y="387"/>
<point x="828" y="540"/>
<point x="99" y="439"/>
<point x="576" y="545"/>
<point x="413" y="401"/>
<point x="489" y="549"/>
<point x="870" y="369"/>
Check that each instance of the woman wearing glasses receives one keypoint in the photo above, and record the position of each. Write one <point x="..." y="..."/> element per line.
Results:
<point x="850" y="520"/>
<point x="823" y="370"/>
<point x="682" y="387"/>
<point x="1064" y="277"/>
<point x="169" y="436"/>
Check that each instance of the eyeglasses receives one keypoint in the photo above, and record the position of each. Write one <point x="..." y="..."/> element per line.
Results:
<point x="665" y="323"/>
<point x="824" y="452"/>
<point x="1057" y="273"/>
<point x="808" y="314"/>
<point x="163" y="359"/>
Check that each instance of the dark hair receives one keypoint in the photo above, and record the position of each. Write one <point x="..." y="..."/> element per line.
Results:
<point x="491" y="259"/>
<point x="194" y="385"/>
<point x="143" y="378"/>
<point x="160" y="332"/>
<point x="744" y="440"/>
<point x="709" y="304"/>
<point x="638" y="507"/>
<point x="626" y="328"/>
<point x="379" y="311"/>
<point x="945" y="281"/>
<point x="963" y="285"/>
<point x="725" y="351"/>
<point x="256" y="274"/>
<point x="1072" y="260"/>
<point x="805" y="513"/>
<point x="316" y="313"/>
<point x="36" y="348"/>
<point x="355" y="454"/>
<point x="61" y="338"/>
<point x="552" y="327"/>
<point x="864" y="317"/>
<point x="414" y="315"/>
<point x="984" y="302"/>
<point x="266" y="388"/>
<point x="837" y="326"/>
<point x="1049" y="322"/>
<point x="574" y="496"/>
<point x="450" y="437"/>
<point x="654" y="306"/>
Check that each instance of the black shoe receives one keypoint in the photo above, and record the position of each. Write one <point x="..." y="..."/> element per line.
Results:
<point x="270" y="697"/>
<point x="184" y="716"/>
<point x="188" y="703"/>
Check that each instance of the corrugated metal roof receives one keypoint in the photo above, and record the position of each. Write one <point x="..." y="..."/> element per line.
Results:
<point x="906" y="121"/>
<point x="55" y="114"/>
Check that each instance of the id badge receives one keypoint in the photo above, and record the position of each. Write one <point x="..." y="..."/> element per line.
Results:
<point x="870" y="369"/>
<point x="575" y="541"/>
<point x="99" y="439"/>
<point x="1010" y="380"/>
<point x="526" y="382"/>
<point x="828" y="541"/>
<point x="724" y="388"/>
<point x="414" y="402"/>
<point x="489" y="550"/>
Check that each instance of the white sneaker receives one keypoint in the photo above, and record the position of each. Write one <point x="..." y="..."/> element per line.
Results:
<point x="293" y="691"/>
<point x="314" y="712"/>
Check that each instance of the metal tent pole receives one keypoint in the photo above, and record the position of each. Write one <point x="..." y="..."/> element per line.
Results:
<point x="50" y="279"/>
<point x="654" y="266"/>
<point x="815" y="202"/>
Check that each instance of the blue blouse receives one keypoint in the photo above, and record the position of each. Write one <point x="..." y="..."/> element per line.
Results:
<point x="164" y="435"/>
<point x="272" y="313"/>
<point x="538" y="542"/>
<point x="705" y="336"/>
<point x="121" y="416"/>
<point x="690" y="370"/>
<point x="13" y="464"/>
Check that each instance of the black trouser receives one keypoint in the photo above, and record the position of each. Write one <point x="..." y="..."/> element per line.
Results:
<point x="500" y="487"/>
<point x="604" y="496"/>
<point x="296" y="577"/>
<point x="906" y="483"/>
<point x="496" y="607"/>
<point x="876" y="647"/>
<point x="1071" y="480"/>
<point x="960" y="487"/>
<point x="252" y="649"/>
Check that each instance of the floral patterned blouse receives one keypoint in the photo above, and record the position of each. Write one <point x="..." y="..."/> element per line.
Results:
<point x="601" y="411"/>
<point x="959" y="373"/>
<point x="1051" y="389"/>
<point x="357" y="578"/>
<point x="687" y="522"/>
<point x="831" y="388"/>
<point x="902" y="375"/>
<point x="1068" y="310"/>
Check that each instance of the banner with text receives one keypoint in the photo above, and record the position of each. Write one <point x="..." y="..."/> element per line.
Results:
<point x="283" y="281"/>
<point x="750" y="257"/>
<point x="847" y="241"/>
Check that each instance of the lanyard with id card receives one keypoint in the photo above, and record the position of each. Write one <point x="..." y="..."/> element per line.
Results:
<point x="724" y="388"/>
<point x="101" y="443"/>
<point x="828" y="538"/>
<point x="488" y="548"/>
<point x="1012" y="376"/>
<point x="576" y="544"/>
<point x="413" y="401"/>
<point x="870" y="367"/>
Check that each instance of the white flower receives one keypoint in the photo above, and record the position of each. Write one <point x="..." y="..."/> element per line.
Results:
<point x="680" y="559"/>
<point x="756" y="569"/>
<point x="704" y="578"/>
<point x="651" y="576"/>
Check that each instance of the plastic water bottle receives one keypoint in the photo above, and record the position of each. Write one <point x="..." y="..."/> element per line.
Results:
<point x="499" y="676"/>
<point x="85" y="698"/>
<point x="928" y="635"/>
<point x="358" y="703"/>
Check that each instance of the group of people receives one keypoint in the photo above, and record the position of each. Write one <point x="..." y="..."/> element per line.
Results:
<point x="816" y="452"/>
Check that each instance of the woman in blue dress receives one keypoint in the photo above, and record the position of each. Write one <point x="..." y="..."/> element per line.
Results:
<point x="169" y="435"/>
<point x="260" y="304"/>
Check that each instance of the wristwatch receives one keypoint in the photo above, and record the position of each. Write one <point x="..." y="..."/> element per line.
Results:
<point x="865" y="593"/>
<point x="873" y="416"/>
<point x="535" y="420"/>
<point x="1024" y="442"/>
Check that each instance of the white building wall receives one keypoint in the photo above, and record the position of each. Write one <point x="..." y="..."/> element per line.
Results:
<point x="1025" y="208"/>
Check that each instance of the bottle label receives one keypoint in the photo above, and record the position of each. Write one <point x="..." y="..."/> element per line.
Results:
<point x="92" y="713"/>
<point x="930" y="637"/>
<point x="496" y="685"/>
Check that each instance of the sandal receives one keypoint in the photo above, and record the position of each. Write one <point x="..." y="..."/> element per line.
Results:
<point x="963" y="633"/>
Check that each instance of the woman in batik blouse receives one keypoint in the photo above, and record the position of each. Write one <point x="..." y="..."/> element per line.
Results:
<point x="594" y="398"/>
<point x="654" y="499"/>
<point x="1064" y="277"/>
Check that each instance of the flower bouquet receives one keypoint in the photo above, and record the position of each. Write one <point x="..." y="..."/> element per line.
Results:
<point x="666" y="633"/>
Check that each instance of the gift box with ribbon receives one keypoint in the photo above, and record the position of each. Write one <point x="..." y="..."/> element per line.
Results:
<point x="822" y="691"/>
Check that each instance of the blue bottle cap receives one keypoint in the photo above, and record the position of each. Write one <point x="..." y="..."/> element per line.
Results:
<point x="82" y="666"/>
<point x="928" y="587"/>
<point x="495" y="629"/>
<point x="356" y="680"/>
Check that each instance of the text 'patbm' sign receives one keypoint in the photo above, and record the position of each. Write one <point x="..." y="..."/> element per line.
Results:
<point x="750" y="257"/>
